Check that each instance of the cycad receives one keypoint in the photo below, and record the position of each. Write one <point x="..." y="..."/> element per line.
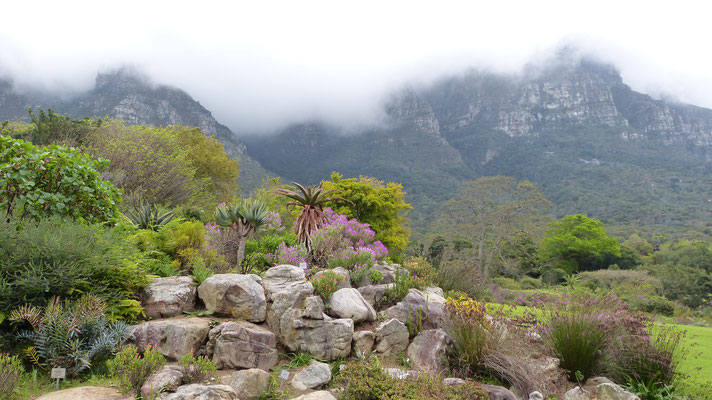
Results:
<point x="243" y="218"/>
<point x="311" y="199"/>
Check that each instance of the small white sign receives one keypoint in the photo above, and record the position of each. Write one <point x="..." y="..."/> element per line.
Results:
<point x="303" y="265"/>
<point x="58" y="373"/>
<point x="284" y="374"/>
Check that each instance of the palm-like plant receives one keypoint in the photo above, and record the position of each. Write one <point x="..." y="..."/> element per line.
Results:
<point x="311" y="199"/>
<point x="243" y="218"/>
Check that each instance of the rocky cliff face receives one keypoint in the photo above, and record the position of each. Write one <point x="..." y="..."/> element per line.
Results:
<point x="129" y="96"/>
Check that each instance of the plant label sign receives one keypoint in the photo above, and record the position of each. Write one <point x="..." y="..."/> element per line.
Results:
<point x="303" y="265"/>
<point x="59" y="373"/>
<point x="284" y="374"/>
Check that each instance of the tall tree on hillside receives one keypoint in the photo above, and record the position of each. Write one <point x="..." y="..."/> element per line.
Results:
<point x="492" y="213"/>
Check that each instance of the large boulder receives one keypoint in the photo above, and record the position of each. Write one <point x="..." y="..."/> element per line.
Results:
<point x="363" y="342"/>
<point x="348" y="303"/>
<point x="387" y="271"/>
<point x="342" y="272"/>
<point x="315" y="375"/>
<point x="327" y="339"/>
<point x="499" y="393"/>
<point x="249" y="384"/>
<point x="201" y="392"/>
<point x="240" y="344"/>
<point x="428" y="352"/>
<point x="318" y="395"/>
<point x="236" y="295"/>
<point x="431" y="306"/>
<point x="374" y="294"/>
<point x="168" y="377"/>
<point x="174" y="337"/>
<point x="168" y="297"/>
<point x="599" y="389"/>
<point x="391" y="337"/>
<point x="285" y="286"/>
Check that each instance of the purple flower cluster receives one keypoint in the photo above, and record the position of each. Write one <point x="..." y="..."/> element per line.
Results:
<point x="346" y="243"/>
<point x="292" y="255"/>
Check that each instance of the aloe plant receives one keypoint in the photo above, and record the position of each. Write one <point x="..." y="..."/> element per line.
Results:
<point x="244" y="217"/>
<point x="311" y="199"/>
<point x="148" y="216"/>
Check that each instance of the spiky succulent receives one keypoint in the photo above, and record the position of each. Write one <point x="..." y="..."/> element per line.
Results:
<point x="311" y="199"/>
<point x="148" y="216"/>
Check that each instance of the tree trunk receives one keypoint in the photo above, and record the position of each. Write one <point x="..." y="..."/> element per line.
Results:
<point x="241" y="250"/>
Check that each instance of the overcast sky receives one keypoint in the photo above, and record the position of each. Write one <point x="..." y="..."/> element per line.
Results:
<point x="260" y="64"/>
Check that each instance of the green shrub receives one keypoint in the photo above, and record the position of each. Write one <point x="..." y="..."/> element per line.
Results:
<point x="273" y="392"/>
<point x="200" y="271"/>
<point x="579" y="340"/>
<point x="52" y="257"/>
<point x="400" y="288"/>
<point x="652" y="304"/>
<point x="148" y="216"/>
<point x="131" y="369"/>
<point x="506" y="283"/>
<point x="37" y="182"/>
<point x="10" y="371"/>
<point x="375" y="277"/>
<point x="528" y="283"/>
<point x="609" y="279"/>
<point x="652" y="356"/>
<point x="75" y="336"/>
<point x="326" y="283"/>
<point x="651" y="389"/>
<point x="366" y="380"/>
<point x="197" y="370"/>
<point x="422" y="274"/>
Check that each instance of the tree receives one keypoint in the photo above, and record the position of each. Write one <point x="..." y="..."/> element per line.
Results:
<point x="372" y="202"/>
<point x="244" y="218"/>
<point x="176" y="165"/>
<point x="577" y="243"/>
<point x="36" y="182"/>
<point x="311" y="199"/>
<point x="490" y="212"/>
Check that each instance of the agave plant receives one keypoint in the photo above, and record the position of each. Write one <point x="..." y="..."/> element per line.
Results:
<point x="147" y="216"/>
<point x="311" y="199"/>
<point x="244" y="217"/>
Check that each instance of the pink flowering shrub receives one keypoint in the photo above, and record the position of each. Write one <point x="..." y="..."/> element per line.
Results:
<point x="346" y="243"/>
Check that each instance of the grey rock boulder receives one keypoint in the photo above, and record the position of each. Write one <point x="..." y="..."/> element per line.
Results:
<point x="201" y="392"/>
<point x="249" y="384"/>
<point x="285" y="287"/>
<point x="391" y="337"/>
<point x="174" y="337"/>
<point x="169" y="297"/>
<point x="313" y="376"/>
<point x="349" y="303"/>
<point x="374" y="294"/>
<point x="428" y="351"/>
<point x="431" y="306"/>
<point x="536" y="396"/>
<point x="363" y="342"/>
<point x="499" y="393"/>
<point x="168" y="377"/>
<point x="318" y="395"/>
<point x="235" y="295"/>
<point x="240" y="344"/>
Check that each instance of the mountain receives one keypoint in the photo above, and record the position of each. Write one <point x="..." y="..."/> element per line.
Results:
<point x="574" y="128"/>
<point x="129" y="96"/>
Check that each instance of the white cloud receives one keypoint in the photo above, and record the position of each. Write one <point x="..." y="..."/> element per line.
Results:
<point x="258" y="65"/>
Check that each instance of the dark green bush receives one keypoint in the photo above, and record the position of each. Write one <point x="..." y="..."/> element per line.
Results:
<point x="37" y="182"/>
<point x="366" y="380"/>
<point x="68" y="259"/>
<point x="132" y="369"/>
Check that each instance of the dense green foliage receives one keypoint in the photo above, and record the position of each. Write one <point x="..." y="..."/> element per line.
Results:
<point x="578" y="243"/>
<point x="132" y="369"/>
<point x="372" y="202"/>
<point x="37" y="182"/>
<point x="72" y="335"/>
<point x="10" y="371"/>
<point x="69" y="259"/>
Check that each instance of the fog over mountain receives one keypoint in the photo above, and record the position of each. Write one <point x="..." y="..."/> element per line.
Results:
<point x="259" y="67"/>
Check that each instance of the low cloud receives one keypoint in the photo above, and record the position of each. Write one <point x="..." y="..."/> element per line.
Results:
<point x="260" y="66"/>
